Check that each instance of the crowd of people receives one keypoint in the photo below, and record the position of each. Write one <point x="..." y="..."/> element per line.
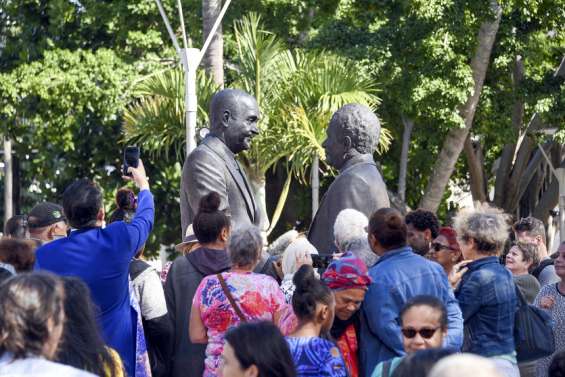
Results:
<point x="403" y="295"/>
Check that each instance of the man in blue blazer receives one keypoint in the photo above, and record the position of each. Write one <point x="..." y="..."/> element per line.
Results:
<point x="101" y="256"/>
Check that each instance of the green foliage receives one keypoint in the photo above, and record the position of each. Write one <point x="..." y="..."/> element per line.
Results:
<point x="155" y="118"/>
<point x="419" y="53"/>
<point x="72" y="74"/>
<point x="67" y="103"/>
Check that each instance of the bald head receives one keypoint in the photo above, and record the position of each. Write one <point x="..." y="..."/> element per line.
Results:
<point x="234" y="115"/>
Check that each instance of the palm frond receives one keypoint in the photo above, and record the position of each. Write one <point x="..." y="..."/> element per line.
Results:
<point x="155" y="120"/>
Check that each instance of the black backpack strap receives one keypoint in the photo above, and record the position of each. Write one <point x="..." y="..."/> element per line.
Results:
<point x="136" y="267"/>
<point x="543" y="264"/>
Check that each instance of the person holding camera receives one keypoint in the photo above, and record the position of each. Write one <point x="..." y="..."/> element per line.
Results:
<point x="101" y="256"/>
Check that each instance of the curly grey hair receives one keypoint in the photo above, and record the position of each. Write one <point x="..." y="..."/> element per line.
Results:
<point x="360" y="124"/>
<point x="245" y="246"/>
<point x="487" y="226"/>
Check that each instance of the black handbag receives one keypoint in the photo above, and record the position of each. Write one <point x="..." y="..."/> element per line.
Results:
<point x="533" y="331"/>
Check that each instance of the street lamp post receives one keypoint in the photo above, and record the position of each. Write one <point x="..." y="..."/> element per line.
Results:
<point x="190" y="59"/>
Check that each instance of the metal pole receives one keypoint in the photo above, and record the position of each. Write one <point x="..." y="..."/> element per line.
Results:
<point x="168" y="26"/>
<point x="190" y="64"/>
<point x="190" y="59"/>
<point x="8" y="180"/>
<point x="315" y="181"/>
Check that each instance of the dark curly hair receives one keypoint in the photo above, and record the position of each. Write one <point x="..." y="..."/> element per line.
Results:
<point x="27" y="303"/>
<point x="422" y="220"/>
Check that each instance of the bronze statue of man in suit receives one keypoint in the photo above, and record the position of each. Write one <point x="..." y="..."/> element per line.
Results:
<point x="352" y="137"/>
<point x="212" y="165"/>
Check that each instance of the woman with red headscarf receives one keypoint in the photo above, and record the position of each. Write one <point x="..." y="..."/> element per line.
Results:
<point x="348" y="278"/>
<point x="445" y="249"/>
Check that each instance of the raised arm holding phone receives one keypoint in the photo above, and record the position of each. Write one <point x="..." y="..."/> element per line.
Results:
<point x="100" y="256"/>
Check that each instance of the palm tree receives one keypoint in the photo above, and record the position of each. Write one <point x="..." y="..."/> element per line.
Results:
<point x="214" y="58"/>
<point x="155" y="119"/>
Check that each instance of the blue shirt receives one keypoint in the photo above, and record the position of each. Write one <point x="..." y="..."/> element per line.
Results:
<point x="101" y="258"/>
<point x="487" y="297"/>
<point x="398" y="276"/>
<point x="316" y="357"/>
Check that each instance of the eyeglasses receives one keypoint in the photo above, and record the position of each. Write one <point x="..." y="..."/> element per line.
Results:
<point x="425" y="333"/>
<point x="438" y="247"/>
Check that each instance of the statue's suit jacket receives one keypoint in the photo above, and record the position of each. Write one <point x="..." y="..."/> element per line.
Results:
<point x="212" y="167"/>
<point x="360" y="186"/>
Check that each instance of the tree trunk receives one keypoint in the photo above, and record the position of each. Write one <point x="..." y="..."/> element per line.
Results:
<point x="16" y="184"/>
<point x="509" y="150"/>
<point x="8" y="182"/>
<point x="512" y="189"/>
<point x="214" y="57"/>
<point x="406" y="136"/>
<point x="474" y="155"/>
<point x="504" y="167"/>
<point x="315" y="183"/>
<point x="548" y="201"/>
<point x="529" y="172"/>
<point x="303" y="36"/>
<point x="455" y="140"/>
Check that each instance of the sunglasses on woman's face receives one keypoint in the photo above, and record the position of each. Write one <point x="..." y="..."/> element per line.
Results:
<point x="439" y="247"/>
<point x="425" y="333"/>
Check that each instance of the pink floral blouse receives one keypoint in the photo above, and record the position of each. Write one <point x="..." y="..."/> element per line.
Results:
<point x="258" y="296"/>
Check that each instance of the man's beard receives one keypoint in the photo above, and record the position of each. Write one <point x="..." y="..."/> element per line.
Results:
<point x="422" y="250"/>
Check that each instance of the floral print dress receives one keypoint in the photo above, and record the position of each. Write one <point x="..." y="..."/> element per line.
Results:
<point x="258" y="296"/>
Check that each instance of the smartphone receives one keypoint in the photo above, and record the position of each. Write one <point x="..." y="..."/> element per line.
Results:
<point x="131" y="158"/>
<point x="321" y="261"/>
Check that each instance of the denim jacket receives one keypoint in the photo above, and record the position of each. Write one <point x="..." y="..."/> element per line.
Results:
<point x="487" y="298"/>
<point x="398" y="276"/>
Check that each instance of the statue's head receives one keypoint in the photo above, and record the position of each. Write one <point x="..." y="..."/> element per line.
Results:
<point x="233" y="118"/>
<point x="354" y="129"/>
